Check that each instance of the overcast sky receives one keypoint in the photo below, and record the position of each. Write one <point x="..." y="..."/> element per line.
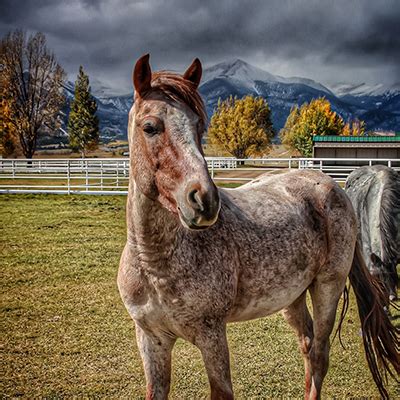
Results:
<point x="326" y="40"/>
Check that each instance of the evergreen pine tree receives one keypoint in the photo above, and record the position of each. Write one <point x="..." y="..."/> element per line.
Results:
<point x="83" y="124"/>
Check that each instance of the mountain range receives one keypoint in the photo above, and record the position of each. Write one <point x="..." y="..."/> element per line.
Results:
<point x="378" y="105"/>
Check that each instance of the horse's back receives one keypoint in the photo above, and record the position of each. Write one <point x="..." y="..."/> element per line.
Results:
<point x="296" y="186"/>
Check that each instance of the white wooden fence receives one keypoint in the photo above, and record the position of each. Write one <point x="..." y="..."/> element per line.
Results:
<point x="110" y="175"/>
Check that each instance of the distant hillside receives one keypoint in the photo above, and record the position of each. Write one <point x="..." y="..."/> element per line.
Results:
<point x="378" y="105"/>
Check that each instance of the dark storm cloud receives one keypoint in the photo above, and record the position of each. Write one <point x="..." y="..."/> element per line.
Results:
<point x="324" y="40"/>
<point x="378" y="42"/>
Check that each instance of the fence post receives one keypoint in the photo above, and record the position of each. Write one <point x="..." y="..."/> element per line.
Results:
<point x="87" y="176"/>
<point x="69" y="176"/>
<point x="389" y="163"/>
<point x="13" y="168"/>
<point x="212" y="168"/>
<point x="101" y="175"/>
<point x="117" y="173"/>
<point x="290" y="163"/>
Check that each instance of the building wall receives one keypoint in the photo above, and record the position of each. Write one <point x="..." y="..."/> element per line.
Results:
<point x="357" y="152"/>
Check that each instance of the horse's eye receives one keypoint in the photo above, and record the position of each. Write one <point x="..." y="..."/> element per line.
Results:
<point x="150" y="129"/>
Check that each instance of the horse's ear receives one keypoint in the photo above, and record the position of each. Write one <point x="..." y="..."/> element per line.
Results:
<point x="142" y="75"/>
<point x="193" y="73"/>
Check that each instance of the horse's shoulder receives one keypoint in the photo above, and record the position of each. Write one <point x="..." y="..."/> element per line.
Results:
<point x="131" y="281"/>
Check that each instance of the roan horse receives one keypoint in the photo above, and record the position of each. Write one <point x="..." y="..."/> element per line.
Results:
<point x="375" y="194"/>
<point x="198" y="257"/>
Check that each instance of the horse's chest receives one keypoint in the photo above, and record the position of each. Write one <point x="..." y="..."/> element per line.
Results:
<point x="175" y="301"/>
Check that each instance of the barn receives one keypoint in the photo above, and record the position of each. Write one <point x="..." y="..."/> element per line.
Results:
<point x="365" y="147"/>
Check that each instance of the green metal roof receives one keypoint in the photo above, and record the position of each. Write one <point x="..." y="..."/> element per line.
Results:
<point x="363" y="139"/>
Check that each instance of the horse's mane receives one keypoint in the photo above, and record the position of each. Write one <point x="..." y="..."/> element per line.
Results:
<point x="390" y="205"/>
<point x="179" y="89"/>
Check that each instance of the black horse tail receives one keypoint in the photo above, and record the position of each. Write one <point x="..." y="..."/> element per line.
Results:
<point x="380" y="336"/>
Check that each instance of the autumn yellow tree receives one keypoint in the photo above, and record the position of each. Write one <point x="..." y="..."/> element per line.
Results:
<point x="8" y="138"/>
<point x="288" y="133"/>
<point x="354" y="128"/>
<point x="315" y="118"/>
<point x="242" y="127"/>
<point x="32" y="94"/>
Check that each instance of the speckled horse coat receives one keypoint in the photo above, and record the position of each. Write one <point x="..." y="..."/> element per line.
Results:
<point x="197" y="257"/>
<point x="375" y="194"/>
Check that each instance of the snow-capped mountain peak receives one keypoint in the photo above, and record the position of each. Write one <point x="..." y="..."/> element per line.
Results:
<point x="238" y="71"/>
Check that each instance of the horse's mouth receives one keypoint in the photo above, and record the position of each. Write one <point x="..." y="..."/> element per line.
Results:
<point x="197" y="223"/>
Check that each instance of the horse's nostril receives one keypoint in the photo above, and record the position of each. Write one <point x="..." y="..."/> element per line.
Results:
<point x="195" y="201"/>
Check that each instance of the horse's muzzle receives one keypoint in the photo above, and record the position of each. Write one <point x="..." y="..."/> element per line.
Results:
<point x="199" y="207"/>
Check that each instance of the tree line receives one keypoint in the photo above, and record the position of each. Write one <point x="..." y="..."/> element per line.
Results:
<point x="32" y="102"/>
<point x="243" y="127"/>
<point x="32" y="98"/>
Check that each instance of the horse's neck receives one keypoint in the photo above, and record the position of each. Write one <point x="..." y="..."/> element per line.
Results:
<point x="151" y="228"/>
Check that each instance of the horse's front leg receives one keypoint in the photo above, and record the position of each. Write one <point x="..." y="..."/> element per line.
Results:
<point x="155" y="351"/>
<point x="211" y="341"/>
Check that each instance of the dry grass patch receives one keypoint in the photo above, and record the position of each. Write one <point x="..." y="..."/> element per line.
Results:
<point x="65" y="332"/>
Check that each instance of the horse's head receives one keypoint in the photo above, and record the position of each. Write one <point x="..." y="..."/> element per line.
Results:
<point x="166" y="124"/>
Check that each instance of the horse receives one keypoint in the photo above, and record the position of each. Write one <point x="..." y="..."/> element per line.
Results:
<point x="198" y="257"/>
<point x="375" y="194"/>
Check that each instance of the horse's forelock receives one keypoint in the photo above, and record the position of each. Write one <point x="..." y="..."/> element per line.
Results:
<point x="179" y="89"/>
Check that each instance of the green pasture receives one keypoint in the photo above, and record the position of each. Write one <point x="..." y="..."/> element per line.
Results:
<point x="65" y="333"/>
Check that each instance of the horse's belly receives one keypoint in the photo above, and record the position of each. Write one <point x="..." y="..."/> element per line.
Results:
<point x="261" y="307"/>
<point x="268" y="300"/>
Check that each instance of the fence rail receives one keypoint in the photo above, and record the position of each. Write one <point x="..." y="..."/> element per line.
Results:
<point x="110" y="175"/>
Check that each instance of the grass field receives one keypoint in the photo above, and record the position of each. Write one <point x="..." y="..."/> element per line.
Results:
<point x="65" y="332"/>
